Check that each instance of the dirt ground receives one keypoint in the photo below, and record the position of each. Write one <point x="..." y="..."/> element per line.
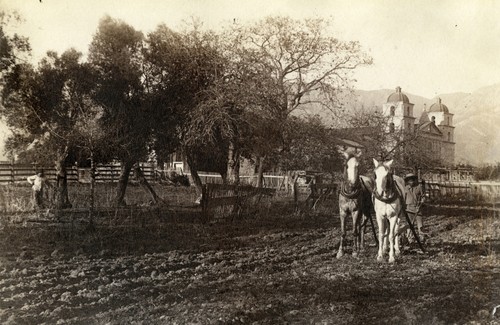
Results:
<point x="278" y="267"/>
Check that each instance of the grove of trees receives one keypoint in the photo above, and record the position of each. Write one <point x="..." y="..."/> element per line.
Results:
<point x="214" y="96"/>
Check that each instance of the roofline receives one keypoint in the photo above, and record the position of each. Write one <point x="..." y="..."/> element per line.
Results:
<point x="440" y="112"/>
<point x="400" y="101"/>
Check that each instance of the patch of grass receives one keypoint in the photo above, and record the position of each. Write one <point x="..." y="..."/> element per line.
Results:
<point x="17" y="197"/>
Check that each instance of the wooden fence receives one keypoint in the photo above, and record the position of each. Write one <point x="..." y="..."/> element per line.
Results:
<point x="467" y="190"/>
<point x="270" y="181"/>
<point x="224" y="200"/>
<point x="489" y="190"/>
<point x="17" y="173"/>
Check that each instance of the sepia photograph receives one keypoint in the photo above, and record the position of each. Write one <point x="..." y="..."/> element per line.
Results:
<point x="249" y="162"/>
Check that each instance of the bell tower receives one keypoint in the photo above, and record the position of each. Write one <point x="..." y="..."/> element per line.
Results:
<point x="399" y="112"/>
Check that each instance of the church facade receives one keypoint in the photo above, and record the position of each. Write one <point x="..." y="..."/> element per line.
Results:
<point x="434" y="127"/>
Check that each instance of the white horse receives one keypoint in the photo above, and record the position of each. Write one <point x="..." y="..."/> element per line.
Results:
<point x="388" y="204"/>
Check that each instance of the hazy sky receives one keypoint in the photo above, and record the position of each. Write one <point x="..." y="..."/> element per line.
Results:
<point x="426" y="47"/>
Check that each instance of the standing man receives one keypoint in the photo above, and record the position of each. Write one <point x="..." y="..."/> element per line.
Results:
<point x="414" y="197"/>
<point x="38" y="183"/>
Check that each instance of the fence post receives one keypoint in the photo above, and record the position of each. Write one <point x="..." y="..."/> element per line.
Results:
<point x="295" y="195"/>
<point x="204" y="203"/>
<point x="12" y="172"/>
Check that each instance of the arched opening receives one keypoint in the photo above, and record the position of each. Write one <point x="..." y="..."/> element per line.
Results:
<point x="393" y="110"/>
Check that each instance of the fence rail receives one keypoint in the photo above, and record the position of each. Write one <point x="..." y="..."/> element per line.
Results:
<point x="105" y="173"/>
<point x="470" y="190"/>
<point x="270" y="181"/>
<point x="222" y="199"/>
<point x="17" y="173"/>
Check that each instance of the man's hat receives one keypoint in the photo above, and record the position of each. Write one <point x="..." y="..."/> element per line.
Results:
<point x="410" y="175"/>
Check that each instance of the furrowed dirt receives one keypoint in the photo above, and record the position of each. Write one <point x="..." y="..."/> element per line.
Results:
<point x="266" y="269"/>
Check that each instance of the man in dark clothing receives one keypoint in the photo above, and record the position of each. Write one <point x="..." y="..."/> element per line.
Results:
<point x="414" y="197"/>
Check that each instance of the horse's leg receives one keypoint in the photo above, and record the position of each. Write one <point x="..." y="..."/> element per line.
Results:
<point x="381" y="231"/>
<point x="392" y="237"/>
<point x="397" y="251"/>
<point x="356" y="216"/>
<point x="343" y="214"/>
<point x="362" y="228"/>
<point x="372" y="225"/>
<point x="385" y="239"/>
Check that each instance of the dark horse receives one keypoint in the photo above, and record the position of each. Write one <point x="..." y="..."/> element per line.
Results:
<point x="354" y="200"/>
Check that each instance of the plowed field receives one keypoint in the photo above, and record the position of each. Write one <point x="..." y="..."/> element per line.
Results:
<point x="274" y="268"/>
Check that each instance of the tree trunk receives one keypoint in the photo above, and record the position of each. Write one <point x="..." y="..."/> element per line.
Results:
<point x="61" y="190"/>
<point x="145" y="184"/>
<point x="224" y="177"/>
<point x="260" y="171"/>
<point x="92" y="188"/>
<point x="126" y="167"/>
<point x="160" y="169"/>
<point x="233" y="164"/>
<point x="196" y="178"/>
<point x="91" y="226"/>
<point x="292" y="182"/>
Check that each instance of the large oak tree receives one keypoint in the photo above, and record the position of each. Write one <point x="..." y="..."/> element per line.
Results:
<point x="276" y="66"/>
<point x="41" y="106"/>
<point x="116" y="54"/>
<point x="182" y="69"/>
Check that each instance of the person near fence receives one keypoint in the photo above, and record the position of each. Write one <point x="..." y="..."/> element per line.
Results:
<point x="414" y="197"/>
<point x="38" y="183"/>
<point x="313" y="194"/>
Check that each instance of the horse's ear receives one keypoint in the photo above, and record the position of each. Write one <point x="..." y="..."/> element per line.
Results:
<point x="346" y="154"/>
<point x="375" y="162"/>
<point x="388" y="163"/>
<point x="358" y="154"/>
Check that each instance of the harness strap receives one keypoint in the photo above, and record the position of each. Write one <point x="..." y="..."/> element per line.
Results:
<point x="390" y="199"/>
<point x="355" y="192"/>
<point x="396" y="193"/>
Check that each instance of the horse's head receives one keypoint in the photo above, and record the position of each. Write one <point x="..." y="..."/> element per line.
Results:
<point x="383" y="177"/>
<point x="352" y="165"/>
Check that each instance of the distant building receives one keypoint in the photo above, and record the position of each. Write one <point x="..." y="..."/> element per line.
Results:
<point x="358" y="138"/>
<point x="435" y="126"/>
